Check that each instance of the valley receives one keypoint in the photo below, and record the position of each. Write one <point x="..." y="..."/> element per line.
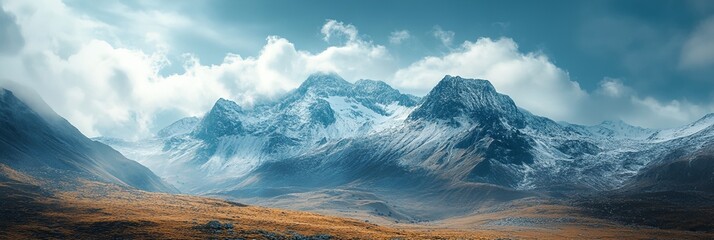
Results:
<point x="349" y="148"/>
<point x="332" y="120"/>
<point x="36" y="209"/>
<point x="340" y="160"/>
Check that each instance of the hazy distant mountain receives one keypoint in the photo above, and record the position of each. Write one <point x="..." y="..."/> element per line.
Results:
<point x="461" y="146"/>
<point x="37" y="141"/>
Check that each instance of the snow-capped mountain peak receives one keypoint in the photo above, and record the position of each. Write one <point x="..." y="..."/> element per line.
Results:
<point x="223" y="104"/>
<point x="325" y="84"/>
<point x="463" y="130"/>
<point x="469" y="98"/>
<point x="223" y="119"/>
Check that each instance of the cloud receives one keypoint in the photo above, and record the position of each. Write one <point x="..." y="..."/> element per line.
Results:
<point x="11" y="40"/>
<point x="539" y="86"/>
<point x="106" y="88"/>
<point x="647" y="53"/>
<point x="613" y="88"/>
<point x="615" y="100"/>
<point x="446" y="37"/>
<point x="280" y="67"/>
<point x="397" y="37"/>
<point x="651" y="112"/>
<point x="529" y="78"/>
<point x="333" y="29"/>
<point x="698" y="50"/>
<point x="107" y="85"/>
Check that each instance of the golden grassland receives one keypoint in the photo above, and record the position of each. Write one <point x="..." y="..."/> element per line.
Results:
<point x="577" y="226"/>
<point x="105" y="211"/>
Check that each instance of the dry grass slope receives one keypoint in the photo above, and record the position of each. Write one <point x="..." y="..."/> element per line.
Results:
<point x="104" y="211"/>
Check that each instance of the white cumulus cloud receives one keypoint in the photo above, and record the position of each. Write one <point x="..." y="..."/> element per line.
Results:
<point x="333" y="29"/>
<point x="529" y="78"/>
<point x="613" y="88"/>
<point x="446" y="37"/>
<point x="106" y="86"/>
<point x="397" y="37"/>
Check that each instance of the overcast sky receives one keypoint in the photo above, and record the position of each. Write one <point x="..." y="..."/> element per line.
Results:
<point x="127" y="69"/>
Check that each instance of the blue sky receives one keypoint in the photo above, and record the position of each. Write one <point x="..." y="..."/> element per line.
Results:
<point x="590" y="39"/>
<point x="646" y="62"/>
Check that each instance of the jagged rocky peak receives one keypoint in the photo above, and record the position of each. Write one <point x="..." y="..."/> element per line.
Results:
<point x="325" y="84"/>
<point x="222" y="120"/>
<point x="474" y="99"/>
<point x="381" y="92"/>
<point x="226" y="105"/>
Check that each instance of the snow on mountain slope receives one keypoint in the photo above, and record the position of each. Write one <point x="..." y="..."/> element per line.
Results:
<point x="354" y="119"/>
<point x="616" y="130"/>
<point x="203" y="154"/>
<point x="688" y="130"/>
<point x="483" y="139"/>
<point x="331" y="133"/>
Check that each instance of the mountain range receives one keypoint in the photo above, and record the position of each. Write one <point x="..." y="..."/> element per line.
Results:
<point x="38" y="142"/>
<point x="364" y="147"/>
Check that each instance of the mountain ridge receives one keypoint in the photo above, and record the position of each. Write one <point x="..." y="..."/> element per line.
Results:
<point x="463" y="136"/>
<point x="45" y="144"/>
<point x="457" y="97"/>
